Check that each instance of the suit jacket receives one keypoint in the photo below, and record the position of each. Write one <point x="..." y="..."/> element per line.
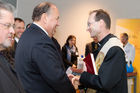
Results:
<point x="57" y="45"/>
<point x="8" y="80"/>
<point x="39" y="64"/>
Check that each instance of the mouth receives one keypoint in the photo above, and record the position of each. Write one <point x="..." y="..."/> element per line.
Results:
<point x="11" y="37"/>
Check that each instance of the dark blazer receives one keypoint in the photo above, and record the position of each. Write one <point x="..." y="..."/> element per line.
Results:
<point x="39" y="64"/>
<point x="73" y="57"/>
<point x="57" y="45"/>
<point x="8" y="80"/>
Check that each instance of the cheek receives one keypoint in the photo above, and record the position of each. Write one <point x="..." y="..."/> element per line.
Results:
<point x="92" y="30"/>
<point x="52" y="25"/>
<point x="3" y="37"/>
<point x="69" y="42"/>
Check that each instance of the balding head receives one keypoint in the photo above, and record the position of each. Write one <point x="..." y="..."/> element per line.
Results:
<point x="46" y="15"/>
<point x="43" y="7"/>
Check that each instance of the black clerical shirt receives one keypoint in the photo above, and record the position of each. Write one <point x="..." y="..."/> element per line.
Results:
<point x="101" y="44"/>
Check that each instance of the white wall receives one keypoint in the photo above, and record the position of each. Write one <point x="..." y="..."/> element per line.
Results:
<point x="74" y="14"/>
<point x="25" y="9"/>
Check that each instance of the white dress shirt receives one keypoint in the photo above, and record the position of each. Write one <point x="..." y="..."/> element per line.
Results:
<point x="41" y="27"/>
<point x="130" y="52"/>
<point x="16" y="39"/>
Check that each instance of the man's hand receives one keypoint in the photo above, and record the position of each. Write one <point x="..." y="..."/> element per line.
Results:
<point x="73" y="66"/>
<point x="70" y="76"/>
<point x="75" y="81"/>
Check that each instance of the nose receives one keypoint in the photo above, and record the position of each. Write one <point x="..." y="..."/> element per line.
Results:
<point x="57" y="23"/>
<point x="12" y="30"/>
<point x="87" y="29"/>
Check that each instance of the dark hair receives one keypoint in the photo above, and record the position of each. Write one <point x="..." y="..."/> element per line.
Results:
<point x="101" y="14"/>
<point x="69" y="38"/>
<point x="40" y="9"/>
<point x="19" y="19"/>
<point x="126" y="35"/>
<point x="6" y="6"/>
<point x="28" y="25"/>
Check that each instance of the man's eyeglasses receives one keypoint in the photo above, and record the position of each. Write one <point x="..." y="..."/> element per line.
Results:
<point x="8" y="25"/>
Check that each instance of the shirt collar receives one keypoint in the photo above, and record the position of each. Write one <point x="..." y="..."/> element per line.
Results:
<point x="41" y="27"/>
<point x="105" y="39"/>
<point x="16" y="39"/>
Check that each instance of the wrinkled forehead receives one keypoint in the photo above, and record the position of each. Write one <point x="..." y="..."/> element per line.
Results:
<point x="6" y="16"/>
<point x="4" y="13"/>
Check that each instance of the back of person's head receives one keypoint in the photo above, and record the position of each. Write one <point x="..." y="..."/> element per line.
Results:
<point x="101" y="14"/>
<point x="6" y="6"/>
<point x="70" y="37"/>
<point x="28" y="25"/>
<point x="18" y="19"/>
<point x="43" y="7"/>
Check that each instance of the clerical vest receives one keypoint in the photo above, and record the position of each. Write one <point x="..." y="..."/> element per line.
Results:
<point x="102" y="53"/>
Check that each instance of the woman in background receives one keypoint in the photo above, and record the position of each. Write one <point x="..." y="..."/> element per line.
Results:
<point x="70" y="52"/>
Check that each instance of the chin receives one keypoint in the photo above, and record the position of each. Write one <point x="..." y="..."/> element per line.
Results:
<point x="92" y="36"/>
<point x="7" y="44"/>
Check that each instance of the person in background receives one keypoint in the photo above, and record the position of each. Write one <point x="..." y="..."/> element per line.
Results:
<point x="92" y="46"/>
<point x="128" y="48"/>
<point x="19" y="27"/>
<point x="110" y="60"/>
<point x="8" y="79"/>
<point x="38" y="63"/>
<point x="70" y="52"/>
<point x="130" y="54"/>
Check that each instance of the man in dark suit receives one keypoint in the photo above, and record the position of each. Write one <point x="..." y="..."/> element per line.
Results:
<point x="8" y="80"/>
<point x="38" y="62"/>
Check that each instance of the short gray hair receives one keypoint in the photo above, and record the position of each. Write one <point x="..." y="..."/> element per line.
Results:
<point x="6" y="6"/>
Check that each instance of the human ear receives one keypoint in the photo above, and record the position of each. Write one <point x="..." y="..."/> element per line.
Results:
<point x="44" y="17"/>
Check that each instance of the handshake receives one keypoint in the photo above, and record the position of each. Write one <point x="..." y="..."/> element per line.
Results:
<point x="74" y="80"/>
